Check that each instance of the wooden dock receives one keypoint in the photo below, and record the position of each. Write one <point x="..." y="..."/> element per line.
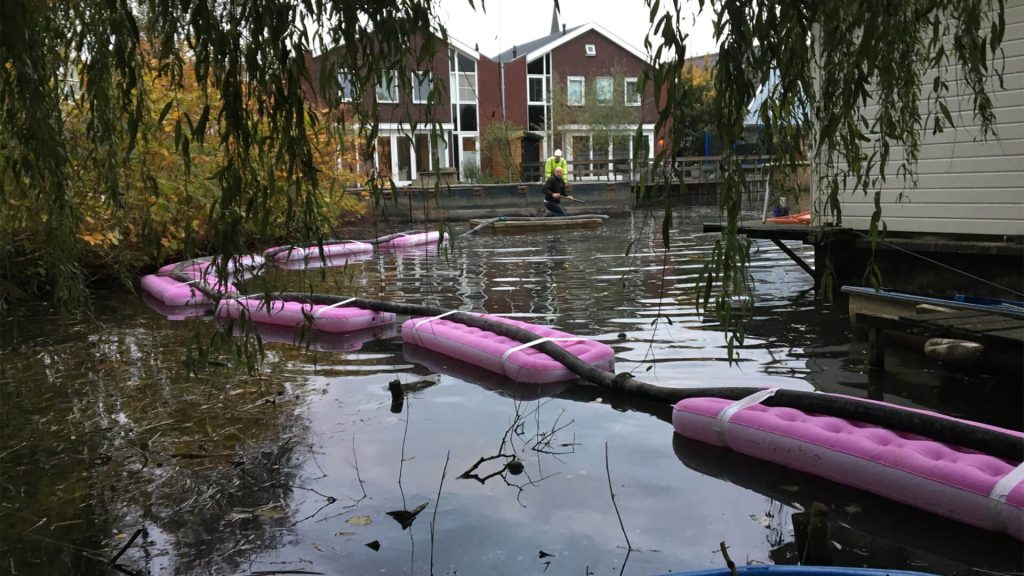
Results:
<point x="999" y="331"/>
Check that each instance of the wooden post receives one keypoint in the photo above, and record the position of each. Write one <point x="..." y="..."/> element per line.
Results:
<point x="876" y="348"/>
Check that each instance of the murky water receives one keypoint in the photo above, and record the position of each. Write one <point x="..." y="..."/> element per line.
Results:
<point x="122" y="426"/>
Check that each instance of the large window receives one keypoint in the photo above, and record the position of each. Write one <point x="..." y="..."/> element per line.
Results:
<point x="421" y="85"/>
<point x="387" y="88"/>
<point x="632" y="95"/>
<point x="467" y="113"/>
<point x="536" y="90"/>
<point x="467" y="86"/>
<point x="604" y="90"/>
<point x="346" y="86"/>
<point x="577" y="91"/>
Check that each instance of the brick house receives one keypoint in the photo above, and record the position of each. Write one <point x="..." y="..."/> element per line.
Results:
<point x="584" y="65"/>
<point x="434" y="108"/>
<point x="423" y="124"/>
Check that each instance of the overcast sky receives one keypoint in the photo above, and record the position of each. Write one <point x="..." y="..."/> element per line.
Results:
<point x="511" y="22"/>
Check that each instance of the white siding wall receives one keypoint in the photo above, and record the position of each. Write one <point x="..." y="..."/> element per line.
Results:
<point x="965" y="186"/>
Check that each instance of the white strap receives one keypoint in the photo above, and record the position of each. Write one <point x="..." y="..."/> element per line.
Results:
<point x="432" y="318"/>
<point x="509" y="352"/>
<point x="1002" y="489"/>
<point x="1006" y="485"/>
<point x="328" y="307"/>
<point x="727" y="413"/>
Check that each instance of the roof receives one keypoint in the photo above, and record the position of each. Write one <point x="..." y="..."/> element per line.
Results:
<point x="536" y="48"/>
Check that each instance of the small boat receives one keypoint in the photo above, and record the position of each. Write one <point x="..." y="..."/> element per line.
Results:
<point x="803" y="218"/>
<point x="332" y="318"/>
<point x="442" y="364"/>
<point x="890" y="303"/>
<point x="513" y="224"/>
<point x="777" y="570"/>
<point x="416" y="239"/>
<point x="501" y="355"/>
<point x="285" y="253"/>
<point x="964" y="485"/>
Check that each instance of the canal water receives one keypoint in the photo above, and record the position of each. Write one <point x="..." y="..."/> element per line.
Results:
<point x="143" y="435"/>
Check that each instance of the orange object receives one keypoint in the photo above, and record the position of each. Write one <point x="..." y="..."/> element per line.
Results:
<point x="799" y="218"/>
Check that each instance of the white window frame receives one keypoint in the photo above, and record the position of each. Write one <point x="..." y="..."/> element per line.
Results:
<point x="583" y="90"/>
<point x="417" y="80"/>
<point x="635" y="92"/>
<point x="590" y="49"/>
<point x="384" y="88"/>
<point x="346" y="78"/>
<point x="611" y="89"/>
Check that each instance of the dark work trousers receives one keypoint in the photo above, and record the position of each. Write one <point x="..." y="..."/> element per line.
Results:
<point x="554" y="209"/>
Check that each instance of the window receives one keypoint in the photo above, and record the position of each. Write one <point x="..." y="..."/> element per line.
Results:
<point x="426" y="155"/>
<point x="467" y="117"/>
<point x="576" y="91"/>
<point x="387" y="88"/>
<point x="421" y="85"/>
<point x="632" y="94"/>
<point x="467" y="86"/>
<point x="536" y="89"/>
<point x="346" y="87"/>
<point x="591" y="50"/>
<point x="466" y="64"/>
<point x="604" y="90"/>
<point x="536" y="117"/>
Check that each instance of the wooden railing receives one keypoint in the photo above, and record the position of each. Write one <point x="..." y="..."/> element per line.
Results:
<point x="695" y="169"/>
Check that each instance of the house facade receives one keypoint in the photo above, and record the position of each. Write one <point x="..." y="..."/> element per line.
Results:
<point x="433" y="110"/>
<point x="426" y="109"/>
<point x="577" y="90"/>
<point x="965" y="185"/>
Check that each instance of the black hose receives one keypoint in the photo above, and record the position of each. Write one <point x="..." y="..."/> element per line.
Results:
<point x="942" y="429"/>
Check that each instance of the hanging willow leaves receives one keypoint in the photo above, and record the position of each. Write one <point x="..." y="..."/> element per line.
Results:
<point x="88" y="60"/>
<point x="825" y="64"/>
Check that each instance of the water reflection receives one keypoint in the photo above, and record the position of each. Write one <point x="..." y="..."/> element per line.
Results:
<point x="126" y="422"/>
<point x="858" y="524"/>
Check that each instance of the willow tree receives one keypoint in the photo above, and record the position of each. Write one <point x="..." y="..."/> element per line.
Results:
<point x="828" y="61"/>
<point x="64" y="60"/>
<point x="249" y="60"/>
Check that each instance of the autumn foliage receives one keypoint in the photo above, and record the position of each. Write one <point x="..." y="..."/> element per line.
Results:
<point x="167" y="188"/>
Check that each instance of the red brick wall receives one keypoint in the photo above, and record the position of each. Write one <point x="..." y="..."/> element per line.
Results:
<point x="570" y="59"/>
<point x="405" y="111"/>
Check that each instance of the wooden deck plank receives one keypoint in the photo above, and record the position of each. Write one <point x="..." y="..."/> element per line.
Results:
<point x="1015" y="334"/>
<point x="957" y="314"/>
<point x="982" y="324"/>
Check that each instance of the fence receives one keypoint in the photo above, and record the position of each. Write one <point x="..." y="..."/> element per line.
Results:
<point x="692" y="169"/>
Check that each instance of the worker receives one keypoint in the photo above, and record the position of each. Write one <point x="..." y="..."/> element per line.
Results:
<point x="556" y="161"/>
<point x="554" y="191"/>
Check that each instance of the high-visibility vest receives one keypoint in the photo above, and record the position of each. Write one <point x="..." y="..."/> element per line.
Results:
<point x="552" y="163"/>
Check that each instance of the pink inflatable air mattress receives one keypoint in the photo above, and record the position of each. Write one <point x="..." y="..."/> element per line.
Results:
<point x="284" y="253"/>
<point x="175" y="312"/>
<point x="174" y="293"/>
<point x="330" y="319"/>
<point x="241" y="266"/>
<point x="315" y="340"/>
<point x="518" y="362"/>
<point x="954" y="482"/>
<point x="412" y="240"/>
<point x="315" y="263"/>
